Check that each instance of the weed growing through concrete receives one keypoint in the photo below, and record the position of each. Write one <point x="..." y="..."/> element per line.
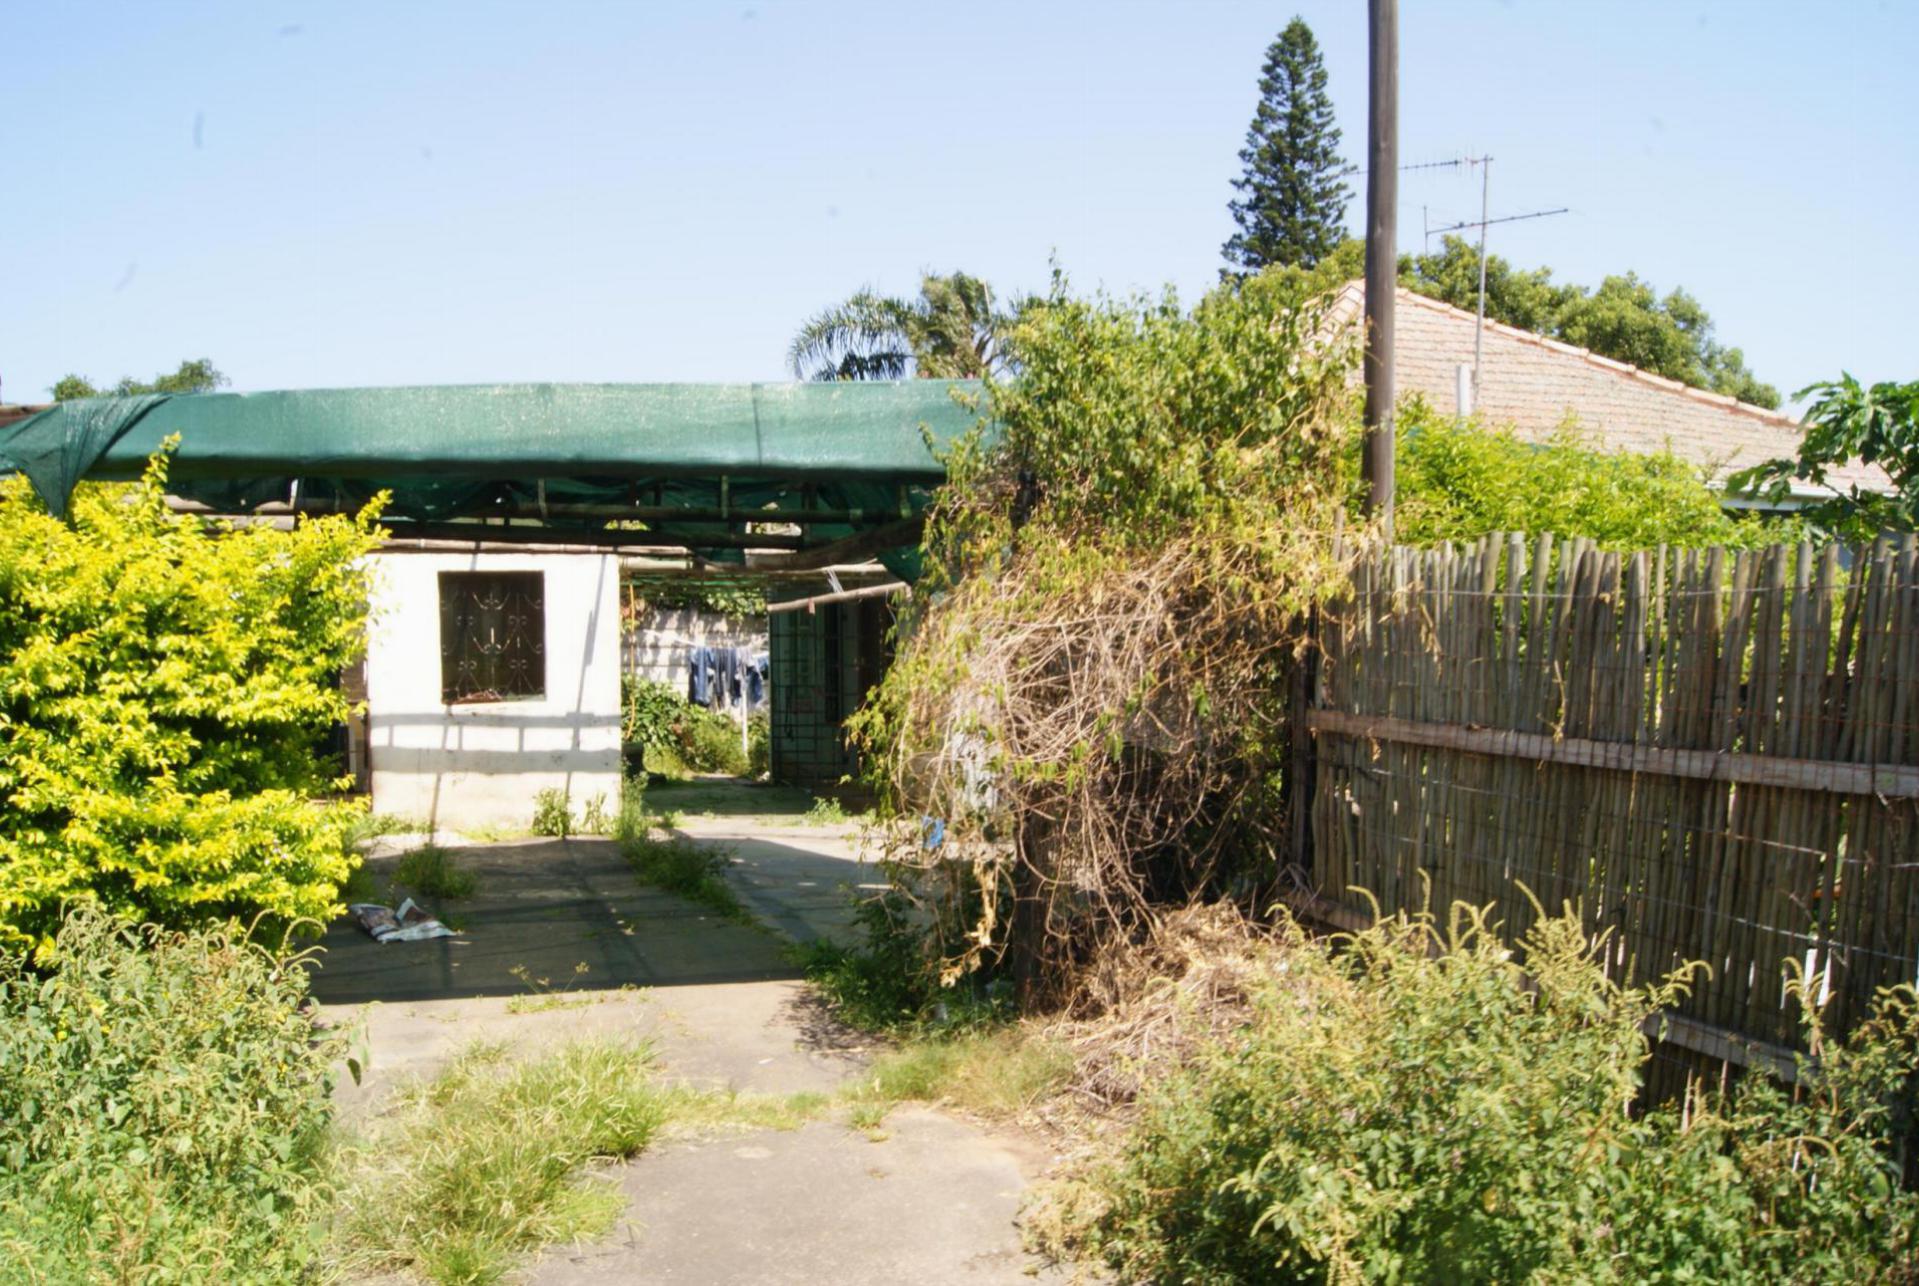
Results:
<point x="675" y="863"/>
<point x="825" y="812"/>
<point x="430" y="871"/>
<point x="545" y="996"/>
<point x="552" y="814"/>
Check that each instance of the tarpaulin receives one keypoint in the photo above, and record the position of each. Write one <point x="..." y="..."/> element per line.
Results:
<point x="866" y="454"/>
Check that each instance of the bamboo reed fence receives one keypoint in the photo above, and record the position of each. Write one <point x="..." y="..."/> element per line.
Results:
<point x="1714" y="753"/>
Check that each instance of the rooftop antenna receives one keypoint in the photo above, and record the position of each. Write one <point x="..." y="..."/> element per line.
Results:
<point x="1482" y="223"/>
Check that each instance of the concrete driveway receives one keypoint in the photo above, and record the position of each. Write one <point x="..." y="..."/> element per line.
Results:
<point x="934" y="1202"/>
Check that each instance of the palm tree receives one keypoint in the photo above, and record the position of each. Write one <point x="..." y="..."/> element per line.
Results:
<point x="952" y="331"/>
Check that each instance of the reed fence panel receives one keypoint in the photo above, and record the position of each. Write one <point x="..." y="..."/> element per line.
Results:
<point x="1714" y="753"/>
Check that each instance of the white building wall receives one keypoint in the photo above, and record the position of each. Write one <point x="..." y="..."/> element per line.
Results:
<point x="482" y="763"/>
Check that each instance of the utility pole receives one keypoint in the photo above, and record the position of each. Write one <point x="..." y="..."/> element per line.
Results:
<point x="1382" y="257"/>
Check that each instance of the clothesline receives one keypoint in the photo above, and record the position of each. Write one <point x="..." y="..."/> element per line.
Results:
<point x="721" y="677"/>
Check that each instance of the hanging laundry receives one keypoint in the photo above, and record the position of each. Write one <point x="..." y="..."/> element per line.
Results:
<point x="699" y="663"/>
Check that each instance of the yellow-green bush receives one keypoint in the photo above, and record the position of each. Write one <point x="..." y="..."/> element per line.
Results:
<point x="164" y="695"/>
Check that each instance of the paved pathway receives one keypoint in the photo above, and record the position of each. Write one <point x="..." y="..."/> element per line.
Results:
<point x="934" y="1202"/>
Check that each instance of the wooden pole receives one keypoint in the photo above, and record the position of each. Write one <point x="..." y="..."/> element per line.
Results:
<point x="1382" y="257"/>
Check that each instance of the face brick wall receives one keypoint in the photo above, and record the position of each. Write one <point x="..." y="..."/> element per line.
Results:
<point x="1533" y="384"/>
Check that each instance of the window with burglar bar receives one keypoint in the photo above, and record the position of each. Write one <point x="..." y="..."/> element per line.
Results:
<point x="492" y="636"/>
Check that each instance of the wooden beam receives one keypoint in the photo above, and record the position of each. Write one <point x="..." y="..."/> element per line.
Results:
<point x="856" y="548"/>
<point x="1887" y="781"/>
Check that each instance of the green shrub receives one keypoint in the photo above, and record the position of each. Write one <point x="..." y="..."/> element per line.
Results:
<point x="1459" y="482"/>
<point x="650" y="712"/>
<point x="710" y="742"/>
<point x="165" y="693"/>
<point x="1392" y="1113"/>
<point x="888" y="981"/>
<point x="679" y="737"/>
<point x="487" y="1161"/>
<point x="430" y="871"/>
<point x="552" y="813"/>
<point x="759" y="746"/>
<point x="164" y="1106"/>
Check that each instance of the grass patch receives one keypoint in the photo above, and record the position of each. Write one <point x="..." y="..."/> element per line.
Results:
<point x="691" y="870"/>
<point x="993" y="1072"/>
<point x="430" y="871"/>
<point x="473" y="1169"/>
<point x="496" y="833"/>
<point x="467" y="1173"/>
<point x="371" y="826"/>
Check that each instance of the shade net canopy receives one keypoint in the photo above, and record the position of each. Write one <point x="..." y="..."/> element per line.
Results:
<point x="686" y="464"/>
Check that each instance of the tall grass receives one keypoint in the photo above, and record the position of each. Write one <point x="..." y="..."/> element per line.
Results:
<point x="471" y="1170"/>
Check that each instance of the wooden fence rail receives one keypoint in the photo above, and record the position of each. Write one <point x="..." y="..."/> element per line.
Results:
<point x="1714" y="753"/>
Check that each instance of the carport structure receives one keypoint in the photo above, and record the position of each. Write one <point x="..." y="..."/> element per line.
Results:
<point x="490" y="480"/>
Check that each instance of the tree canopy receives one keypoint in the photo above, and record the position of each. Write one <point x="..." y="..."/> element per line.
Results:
<point x="1625" y="318"/>
<point x="1292" y="204"/>
<point x="1876" y="424"/>
<point x="953" y="330"/>
<point x="197" y="375"/>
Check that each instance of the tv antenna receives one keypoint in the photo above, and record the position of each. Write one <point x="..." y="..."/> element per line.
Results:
<point x="1485" y="164"/>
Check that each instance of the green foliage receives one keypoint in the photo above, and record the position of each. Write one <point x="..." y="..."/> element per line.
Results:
<point x="1460" y="481"/>
<point x="1136" y="422"/>
<point x="825" y="811"/>
<point x="552" y="813"/>
<point x="165" y="693"/>
<point x="650" y="712"/>
<point x="487" y="1162"/>
<point x="431" y="871"/>
<point x="678" y="736"/>
<point x="1850" y="422"/>
<point x="954" y="330"/>
<point x="710" y="742"/>
<point x="164" y="1107"/>
<point x="733" y="599"/>
<point x="1624" y="318"/>
<point x="676" y="864"/>
<point x="1398" y="1113"/>
<point x="1114" y="585"/>
<point x="1292" y="204"/>
<point x="759" y="745"/>
<point x="888" y="981"/>
<point x="195" y="376"/>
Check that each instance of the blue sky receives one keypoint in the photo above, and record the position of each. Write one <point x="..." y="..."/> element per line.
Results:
<point x="344" y="194"/>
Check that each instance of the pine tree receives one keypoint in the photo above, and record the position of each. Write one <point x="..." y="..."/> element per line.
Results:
<point x="1292" y="204"/>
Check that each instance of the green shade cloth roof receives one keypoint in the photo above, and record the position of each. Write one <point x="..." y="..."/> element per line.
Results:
<point x="447" y="453"/>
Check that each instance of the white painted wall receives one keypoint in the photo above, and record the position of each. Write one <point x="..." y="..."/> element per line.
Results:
<point x="482" y="763"/>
